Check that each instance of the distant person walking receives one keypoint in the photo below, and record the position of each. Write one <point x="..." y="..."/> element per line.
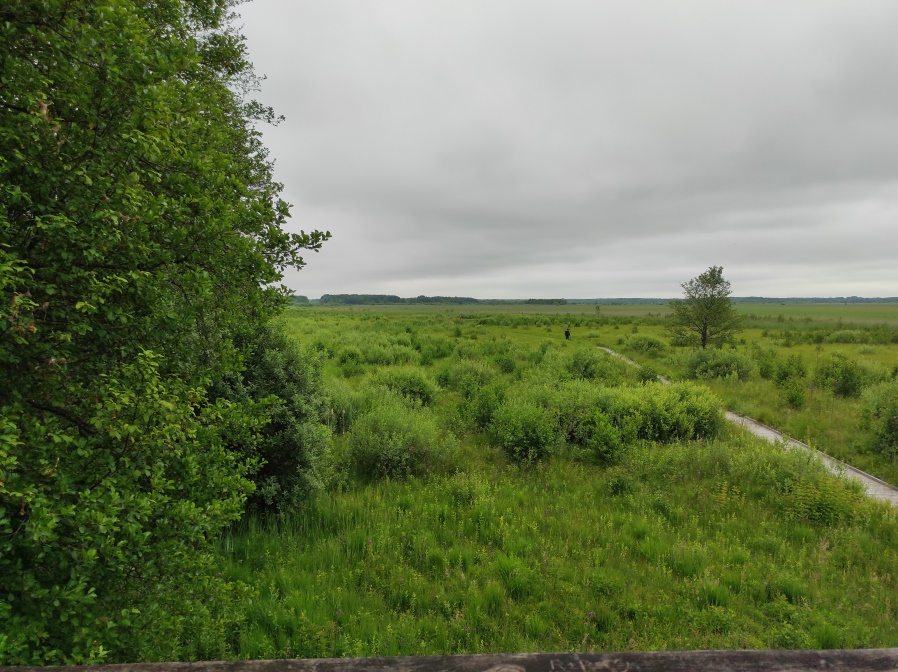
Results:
<point x="567" y="334"/>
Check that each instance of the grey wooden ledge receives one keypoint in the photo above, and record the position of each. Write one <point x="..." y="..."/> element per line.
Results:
<point x="851" y="660"/>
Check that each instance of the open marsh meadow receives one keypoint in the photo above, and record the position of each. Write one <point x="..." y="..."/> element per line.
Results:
<point x="494" y="487"/>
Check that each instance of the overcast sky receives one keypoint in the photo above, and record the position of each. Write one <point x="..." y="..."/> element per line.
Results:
<point x="577" y="149"/>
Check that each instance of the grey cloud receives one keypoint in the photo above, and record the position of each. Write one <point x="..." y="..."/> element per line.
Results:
<point x="531" y="148"/>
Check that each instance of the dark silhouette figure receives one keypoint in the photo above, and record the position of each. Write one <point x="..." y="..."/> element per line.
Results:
<point x="567" y="334"/>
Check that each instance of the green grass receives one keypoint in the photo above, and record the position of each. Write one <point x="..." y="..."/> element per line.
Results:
<point x="613" y="310"/>
<point x="727" y="543"/>
<point x="700" y="551"/>
<point x="856" y="313"/>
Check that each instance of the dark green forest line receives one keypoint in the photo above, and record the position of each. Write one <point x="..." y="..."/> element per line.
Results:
<point x="391" y="299"/>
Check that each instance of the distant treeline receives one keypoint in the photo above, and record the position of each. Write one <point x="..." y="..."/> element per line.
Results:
<point x="750" y="299"/>
<point x="834" y="299"/>
<point x="385" y="299"/>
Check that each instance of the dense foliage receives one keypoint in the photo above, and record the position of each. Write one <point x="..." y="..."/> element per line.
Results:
<point x="280" y="382"/>
<point x="880" y="415"/>
<point x="140" y="234"/>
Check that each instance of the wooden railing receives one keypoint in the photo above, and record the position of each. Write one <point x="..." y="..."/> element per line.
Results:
<point x="856" y="660"/>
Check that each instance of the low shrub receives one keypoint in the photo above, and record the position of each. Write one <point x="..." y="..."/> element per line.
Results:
<point x="619" y="483"/>
<point x="711" y="363"/>
<point x="593" y="364"/>
<point x="683" y="341"/>
<point x="506" y="362"/>
<point x="602" y="439"/>
<point x="343" y="405"/>
<point x="480" y="406"/>
<point x="465" y="376"/>
<point x="655" y="412"/>
<point x="395" y="441"/>
<point x="350" y="354"/>
<point x="432" y="348"/>
<point x="847" y="336"/>
<point x="526" y="431"/>
<point x="879" y="415"/>
<point x="646" y="374"/>
<point x="791" y="369"/>
<point x="846" y="377"/>
<point x="410" y="382"/>
<point x="645" y="344"/>
<point x="389" y="354"/>
<point x="793" y="394"/>
<point x="585" y="364"/>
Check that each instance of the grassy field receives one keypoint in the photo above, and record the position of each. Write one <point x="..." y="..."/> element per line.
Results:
<point x="478" y="309"/>
<point x="864" y="314"/>
<point x="854" y="313"/>
<point x="643" y="526"/>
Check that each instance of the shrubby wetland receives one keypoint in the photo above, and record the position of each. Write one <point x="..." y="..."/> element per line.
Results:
<point x="188" y="472"/>
<point x="490" y="486"/>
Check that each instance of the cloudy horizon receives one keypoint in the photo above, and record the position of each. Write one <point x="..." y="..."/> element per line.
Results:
<point x="524" y="148"/>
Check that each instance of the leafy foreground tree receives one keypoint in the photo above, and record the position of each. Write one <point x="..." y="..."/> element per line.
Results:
<point x="705" y="314"/>
<point x="140" y="237"/>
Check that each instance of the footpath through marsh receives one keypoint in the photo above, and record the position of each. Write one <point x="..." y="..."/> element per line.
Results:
<point x="874" y="487"/>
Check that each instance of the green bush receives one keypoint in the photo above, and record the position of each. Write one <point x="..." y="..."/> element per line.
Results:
<point x="645" y="344"/>
<point x="480" y="406"/>
<point x="506" y="362"/>
<point x="680" y="411"/>
<point x="793" y="394"/>
<point x="601" y="438"/>
<point x="572" y="404"/>
<point x="683" y="341"/>
<point x="708" y="363"/>
<point x="791" y="369"/>
<point x="846" y="377"/>
<point x="879" y="414"/>
<point x="410" y="382"/>
<point x="821" y="500"/>
<point x="395" y="441"/>
<point x="586" y="364"/>
<point x="654" y="412"/>
<point x="526" y="431"/>
<point x="589" y="364"/>
<point x="433" y="348"/>
<point x="465" y="376"/>
<point x="646" y="374"/>
<point x="350" y="354"/>
<point x="286" y="381"/>
<point x="389" y="354"/>
<point x="847" y="336"/>
<point x="343" y="405"/>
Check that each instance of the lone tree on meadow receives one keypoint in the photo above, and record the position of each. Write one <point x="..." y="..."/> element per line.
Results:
<point x="706" y="312"/>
